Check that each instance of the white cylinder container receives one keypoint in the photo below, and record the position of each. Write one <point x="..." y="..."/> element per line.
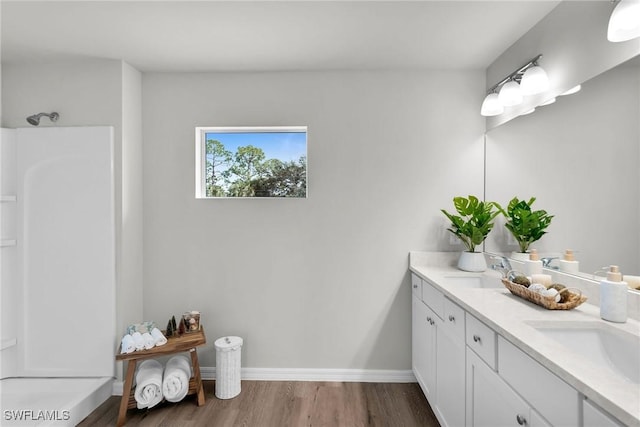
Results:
<point x="228" y="354"/>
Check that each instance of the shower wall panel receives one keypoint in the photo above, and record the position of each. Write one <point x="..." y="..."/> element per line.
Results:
<point x="66" y="241"/>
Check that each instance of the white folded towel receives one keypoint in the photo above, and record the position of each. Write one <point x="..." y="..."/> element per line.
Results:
<point x="175" y="383"/>
<point x="138" y="340"/>
<point x="148" y="341"/>
<point x="159" y="339"/>
<point x="128" y="345"/>
<point x="148" y="384"/>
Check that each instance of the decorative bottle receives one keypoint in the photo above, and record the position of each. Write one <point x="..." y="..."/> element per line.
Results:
<point x="613" y="296"/>
<point x="568" y="263"/>
<point x="533" y="265"/>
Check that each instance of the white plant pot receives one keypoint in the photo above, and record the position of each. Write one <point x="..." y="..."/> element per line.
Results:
<point x="520" y="256"/>
<point x="472" y="261"/>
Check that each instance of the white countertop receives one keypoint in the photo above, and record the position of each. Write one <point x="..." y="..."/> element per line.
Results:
<point x="510" y="316"/>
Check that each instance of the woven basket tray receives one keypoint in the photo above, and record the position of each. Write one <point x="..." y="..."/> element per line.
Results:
<point x="575" y="297"/>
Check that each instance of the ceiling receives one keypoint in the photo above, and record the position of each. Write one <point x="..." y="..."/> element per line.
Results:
<point x="268" y="35"/>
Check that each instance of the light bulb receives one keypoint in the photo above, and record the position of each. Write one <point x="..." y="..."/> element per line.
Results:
<point x="624" y="23"/>
<point x="534" y="80"/>
<point x="510" y="94"/>
<point x="491" y="106"/>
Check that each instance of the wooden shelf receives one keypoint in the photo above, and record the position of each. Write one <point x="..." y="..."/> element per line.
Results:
<point x="186" y="342"/>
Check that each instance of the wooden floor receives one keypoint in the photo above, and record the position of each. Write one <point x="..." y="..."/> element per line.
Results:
<point x="285" y="404"/>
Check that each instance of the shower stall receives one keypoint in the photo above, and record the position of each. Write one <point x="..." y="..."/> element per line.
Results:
<point x="57" y="274"/>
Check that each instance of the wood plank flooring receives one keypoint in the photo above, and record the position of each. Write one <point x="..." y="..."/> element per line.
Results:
<point x="285" y="404"/>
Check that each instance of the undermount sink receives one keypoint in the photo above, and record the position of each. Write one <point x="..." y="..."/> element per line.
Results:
<point x="474" y="280"/>
<point x="601" y="344"/>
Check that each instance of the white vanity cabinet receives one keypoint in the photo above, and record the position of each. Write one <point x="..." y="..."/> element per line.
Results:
<point x="423" y="339"/>
<point x="594" y="417"/>
<point x="438" y="359"/>
<point x="490" y="402"/>
<point x="476" y="369"/>
<point x="450" y="374"/>
<point x="556" y="400"/>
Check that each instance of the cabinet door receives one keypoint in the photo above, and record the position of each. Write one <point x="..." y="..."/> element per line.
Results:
<point x="423" y="353"/>
<point x="594" y="417"/>
<point x="450" y="375"/>
<point x="490" y="401"/>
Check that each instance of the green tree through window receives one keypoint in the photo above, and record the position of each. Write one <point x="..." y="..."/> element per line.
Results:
<point x="255" y="164"/>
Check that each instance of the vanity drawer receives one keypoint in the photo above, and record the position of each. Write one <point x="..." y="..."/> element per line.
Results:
<point x="433" y="298"/>
<point x="416" y="286"/>
<point x="453" y="320"/>
<point x="554" y="399"/>
<point x="481" y="339"/>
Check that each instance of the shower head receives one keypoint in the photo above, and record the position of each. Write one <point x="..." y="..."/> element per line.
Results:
<point x="35" y="119"/>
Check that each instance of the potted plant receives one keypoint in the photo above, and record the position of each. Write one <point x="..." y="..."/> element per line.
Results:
<point x="472" y="225"/>
<point x="525" y="224"/>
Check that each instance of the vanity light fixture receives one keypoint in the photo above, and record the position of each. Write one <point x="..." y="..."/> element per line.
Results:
<point x="529" y="79"/>
<point x="548" y="102"/>
<point x="572" y="90"/>
<point x="491" y="106"/>
<point x="511" y="94"/>
<point x="624" y="23"/>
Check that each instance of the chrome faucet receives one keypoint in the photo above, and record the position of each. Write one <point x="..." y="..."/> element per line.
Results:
<point x="546" y="262"/>
<point x="504" y="266"/>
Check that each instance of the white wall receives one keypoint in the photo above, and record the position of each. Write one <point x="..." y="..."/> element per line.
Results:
<point x="84" y="93"/>
<point x="320" y="282"/>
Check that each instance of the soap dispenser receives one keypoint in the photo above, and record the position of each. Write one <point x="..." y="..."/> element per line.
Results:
<point x="613" y="296"/>
<point x="533" y="265"/>
<point x="568" y="263"/>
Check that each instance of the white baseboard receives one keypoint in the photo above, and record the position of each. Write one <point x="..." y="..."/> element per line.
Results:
<point x="302" y="374"/>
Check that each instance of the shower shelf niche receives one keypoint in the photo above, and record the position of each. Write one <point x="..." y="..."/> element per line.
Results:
<point x="8" y="198"/>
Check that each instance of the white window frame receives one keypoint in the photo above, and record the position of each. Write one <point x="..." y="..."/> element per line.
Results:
<point x="201" y="147"/>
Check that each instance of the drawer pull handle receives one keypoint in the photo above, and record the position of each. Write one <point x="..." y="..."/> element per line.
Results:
<point x="477" y="339"/>
<point x="451" y="318"/>
<point x="521" y="420"/>
<point x="415" y="286"/>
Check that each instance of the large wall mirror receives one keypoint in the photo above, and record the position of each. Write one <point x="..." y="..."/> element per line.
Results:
<point x="580" y="158"/>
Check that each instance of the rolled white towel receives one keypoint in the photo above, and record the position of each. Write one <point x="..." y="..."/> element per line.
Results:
<point x="158" y="337"/>
<point x="128" y="345"/>
<point x="148" y="341"/>
<point x="175" y="383"/>
<point x="148" y="384"/>
<point x="138" y="340"/>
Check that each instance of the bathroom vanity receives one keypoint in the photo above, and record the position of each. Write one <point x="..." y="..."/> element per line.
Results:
<point x="485" y="357"/>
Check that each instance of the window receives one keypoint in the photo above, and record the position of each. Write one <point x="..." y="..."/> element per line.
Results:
<point x="251" y="162"/>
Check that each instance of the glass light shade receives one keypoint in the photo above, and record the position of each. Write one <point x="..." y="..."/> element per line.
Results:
<point x="548" y="102"/>
<point x="624" y="23"/>
<point x="510" y="94"/>
<point x="572" y="90"/>
<point x="491" y="106"/>
<point x="528" y="112"/>
<point x="534" y="80"/>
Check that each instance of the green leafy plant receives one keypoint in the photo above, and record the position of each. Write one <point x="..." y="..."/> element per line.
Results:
<point x="474" y="222"/>
<point x="526" y="225"/>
